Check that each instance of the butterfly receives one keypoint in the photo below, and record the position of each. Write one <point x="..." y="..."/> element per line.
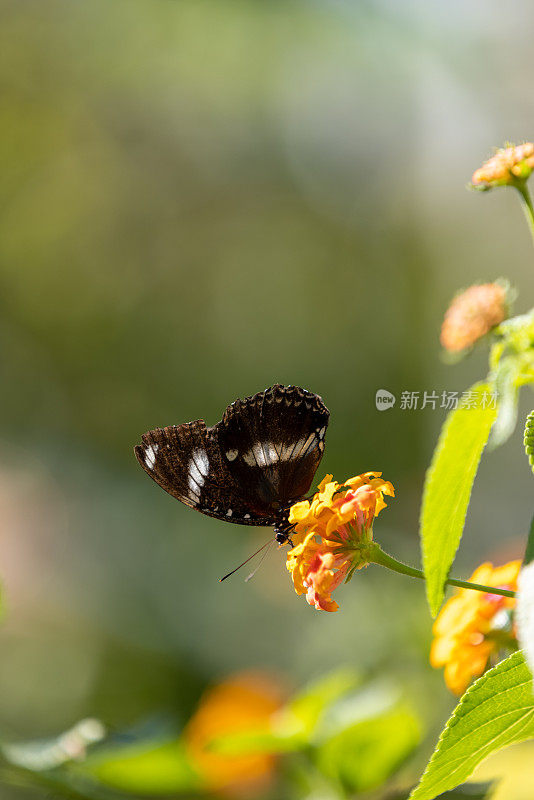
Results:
<point x="251" y="466"/>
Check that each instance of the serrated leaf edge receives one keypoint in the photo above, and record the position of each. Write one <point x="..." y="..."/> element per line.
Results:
<point x="454" y="719"/>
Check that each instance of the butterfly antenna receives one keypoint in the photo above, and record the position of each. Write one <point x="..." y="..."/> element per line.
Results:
<point x="247" y="560"/>
<point x="262" y="559"/>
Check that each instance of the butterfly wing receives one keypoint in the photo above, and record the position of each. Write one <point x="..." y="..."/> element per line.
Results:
<point x="261" y="456"/>
<point x="273" y="442"/>
<point x="185" y="460"/>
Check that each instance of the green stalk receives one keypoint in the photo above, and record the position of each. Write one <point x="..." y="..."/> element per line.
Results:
<point x="378" y="556"/>
<point x="526" y="202"/>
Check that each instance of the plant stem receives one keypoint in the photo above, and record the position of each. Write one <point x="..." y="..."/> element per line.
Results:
<point x="526" y="202"/>
<point x="377" y="556"/>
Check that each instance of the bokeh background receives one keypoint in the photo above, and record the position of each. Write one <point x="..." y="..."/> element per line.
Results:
<point x="200" y="198"/>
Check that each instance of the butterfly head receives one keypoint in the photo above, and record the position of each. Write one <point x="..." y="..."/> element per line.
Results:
<point x="283" y="528"/>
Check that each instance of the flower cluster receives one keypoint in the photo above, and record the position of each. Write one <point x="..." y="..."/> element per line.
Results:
<point x="333" y="533"/>
<point x="507" y="167"/>
<point x="472" y="314"/>
<point x="473" y="626"/>
<point x="243" y="702"/>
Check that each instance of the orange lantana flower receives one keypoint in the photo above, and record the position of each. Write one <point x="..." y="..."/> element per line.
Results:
<point x="472" y="626"/>
<point x="242" y="703"/>
<point x="333" y="533"/>
<point x="508" y="166"/>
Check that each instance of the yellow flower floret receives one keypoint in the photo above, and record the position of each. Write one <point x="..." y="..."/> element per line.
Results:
<point x="465" y="630"/>
<point x="334" y="504"/>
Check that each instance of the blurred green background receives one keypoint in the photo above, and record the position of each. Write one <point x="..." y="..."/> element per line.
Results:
<point x="200" y="198"/>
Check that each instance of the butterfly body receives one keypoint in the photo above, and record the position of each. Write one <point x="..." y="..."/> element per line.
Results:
<point x="251" y="466"/>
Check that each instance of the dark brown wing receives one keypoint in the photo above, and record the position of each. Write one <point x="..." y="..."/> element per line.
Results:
<point x="185" y="460"/>
<point x="273" y="442"/>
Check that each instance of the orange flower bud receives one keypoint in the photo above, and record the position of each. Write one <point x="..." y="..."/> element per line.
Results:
<point x="507" y="167"/>
<point x="472" y="314"/>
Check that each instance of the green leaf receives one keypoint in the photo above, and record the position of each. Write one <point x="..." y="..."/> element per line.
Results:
<point x="149" y="768"/>
<point x="496" y="711"/>
<point x="364" y="755"/>
<point x="253" y="742"/>
<point x="374" y="700"/>
<point x="447" y="491"/>
<point x="305" y="709"/>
